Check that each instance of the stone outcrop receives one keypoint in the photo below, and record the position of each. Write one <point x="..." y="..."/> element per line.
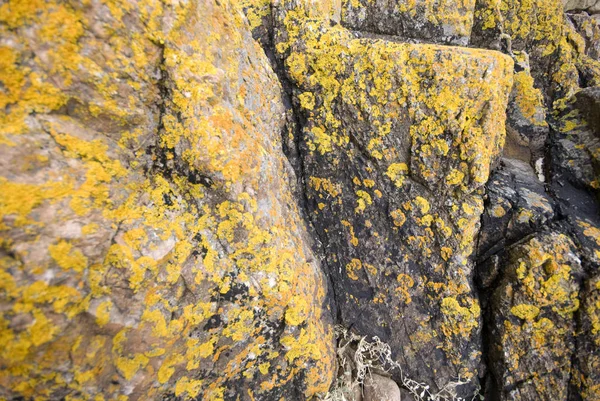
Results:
<point x="193" y="193"/>
<point x="151" y="246"/>
<point x="397" y="144"/>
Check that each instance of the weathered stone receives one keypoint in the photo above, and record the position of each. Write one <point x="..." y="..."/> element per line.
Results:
<point x="150" y="244"/>
<point x="588" y="26"/>
<point x="527" y="129"/>
<point x="587" y="101"/>
<point x="576" y="141"/>
<point x="436" y="21"/>
<point x="380" y="388"/>
<point x="397" y="143"/>
<point x="516" y="206"/>
<point x="592" y="6"/>
<point x="540" y="30"/>
<point x="531" y="324"/>
<point x="587" y="375"/>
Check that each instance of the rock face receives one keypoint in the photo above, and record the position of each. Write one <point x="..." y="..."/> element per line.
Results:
<point x="394" y="159"/>
<point x="532" y="328"/>
<point x="151" y="246"/>
<point x="192" y="194"/>
<point x="436" y="21"/>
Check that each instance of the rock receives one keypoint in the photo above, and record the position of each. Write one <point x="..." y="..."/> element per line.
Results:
<point x="531" y="323"/>
<point x="593" y="6"/>
<point x="440" y="21"/>
<point x="151" y="247"/>
<point x="527" y="129"/>
<point x="588" y="27"/>
<point x="379" y="388"/>
<point x="539" y="29"/>
<point x="183" y="213"/>
<point x="587" y="101"/>
<point x="587" y="375"/>
<point x="407" y="395"/>
<point x="516" y="206"/>
<point x="576" y="141"/>
<point x="395" y="156"/>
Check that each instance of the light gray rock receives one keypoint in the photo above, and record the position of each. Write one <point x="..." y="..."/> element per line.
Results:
<point x="379" y="388"/>
<point x="588" y="5"/>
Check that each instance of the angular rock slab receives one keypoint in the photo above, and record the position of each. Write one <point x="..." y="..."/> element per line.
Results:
<point x="532" y="322"/>
<point x="150" y="244"/>
<point x="436" y="21"/>
<point x="397" y="143"/>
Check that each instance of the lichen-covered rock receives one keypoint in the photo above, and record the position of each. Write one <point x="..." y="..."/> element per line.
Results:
<point x="155" y="243"/>
<point x="516" y="206"/>
<point x="540" y="30"/>
<point x="588" y="26"/>
<point x="436" y="21"/>
<point x="531" y="323"/>
<point x="527" y="129"/>
<point x="150" y="244"/>
<point x="397" y="143"/>
<point x="587" y="375"/>
<point x="576" y="138"/>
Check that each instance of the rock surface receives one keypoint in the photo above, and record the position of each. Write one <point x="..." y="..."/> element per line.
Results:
<point x="151" y="246"/>
<point x="192" y="193"/>
<point x="532" y="327"/>
<point x="395" y="158"/>
<point x="380" y="388"/>
<point x="435" y="21"/>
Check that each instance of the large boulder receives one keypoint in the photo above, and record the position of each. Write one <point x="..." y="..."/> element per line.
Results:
<point x="150" y="244"/>
<point x="397" y="143"/>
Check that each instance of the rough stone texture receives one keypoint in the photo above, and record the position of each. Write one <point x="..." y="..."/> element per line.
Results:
<point x="587" y="376"/>
<point x="379" y="388"/>
<point x="532" y="326"/>
<point x="588" y="26"/>
<point x="442" y="21"/>
<point x="516" y="206"/>
<point x="593" y="6"/>
<point x="150" y="244"/>
<point x="527" y="129"/>
<point x="539" y="31"/>
<point x="576" y="158"/>
<point x="395" y="156"/>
